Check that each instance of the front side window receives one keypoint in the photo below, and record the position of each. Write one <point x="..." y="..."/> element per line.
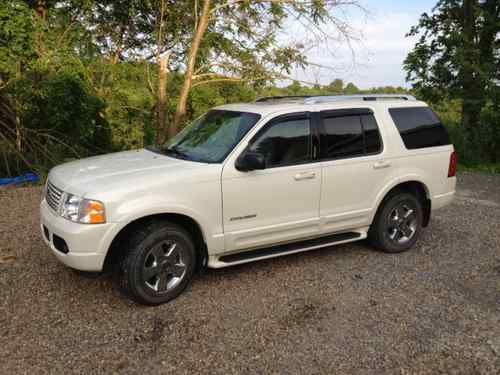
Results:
<point x="284" y="142"/>
<point x="211" y="137"/>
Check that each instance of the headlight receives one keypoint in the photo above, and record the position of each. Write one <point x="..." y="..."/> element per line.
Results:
<point x="80" y="210"/>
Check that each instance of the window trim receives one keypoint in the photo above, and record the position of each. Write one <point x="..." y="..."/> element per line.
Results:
<point x="379" y="136"/>
<point x="357" y="112"/>
<point x="282" y="118"/>
<point x="346" y="112"/>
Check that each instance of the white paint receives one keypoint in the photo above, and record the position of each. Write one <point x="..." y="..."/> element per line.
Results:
<point x="343" y="195"/>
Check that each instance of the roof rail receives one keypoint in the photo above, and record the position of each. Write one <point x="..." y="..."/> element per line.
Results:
<point x="371" y="97"/>
<point x="316" y="99"/>
<point x="291" y="97"/>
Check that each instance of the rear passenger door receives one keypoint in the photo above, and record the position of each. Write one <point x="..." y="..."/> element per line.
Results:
<point x="354" y="170"/>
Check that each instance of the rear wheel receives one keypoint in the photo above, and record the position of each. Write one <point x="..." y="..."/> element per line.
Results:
<point x="397" y="224"/>
<point x="159" y="264"/>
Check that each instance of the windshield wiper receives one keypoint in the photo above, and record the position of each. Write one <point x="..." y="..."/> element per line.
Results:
<point x="178" y="154"/>
<point x="175" y="151"/>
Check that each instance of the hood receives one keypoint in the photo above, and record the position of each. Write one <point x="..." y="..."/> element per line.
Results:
<point x="119" y="170"/>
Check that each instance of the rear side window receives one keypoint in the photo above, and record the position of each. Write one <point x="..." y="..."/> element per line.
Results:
<point x="419" y="127"/>
<point x="350" y="136"/>
<point x="344" y="137"/>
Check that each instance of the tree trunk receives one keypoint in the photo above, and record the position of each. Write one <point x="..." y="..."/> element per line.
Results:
<point x="17" y="118"/>
<point x="473" y="91"/>
<point x="191" y="63"/>
<point x="19" y="137"/>
<point x="162" y="99"/>
<point x="41" y="9"/>
<point x="42" y="13"/>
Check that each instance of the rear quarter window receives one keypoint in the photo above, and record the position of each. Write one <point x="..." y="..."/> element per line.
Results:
<point x="419" y="127"/>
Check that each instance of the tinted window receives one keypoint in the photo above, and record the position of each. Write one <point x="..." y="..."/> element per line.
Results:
<point x="285" y="142"/>
<point x="419" y="127"/>
<point x="343" y="137"/>
<point x="373" y="143"/>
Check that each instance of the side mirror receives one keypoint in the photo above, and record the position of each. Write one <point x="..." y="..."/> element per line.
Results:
<point x="250" y="161"/>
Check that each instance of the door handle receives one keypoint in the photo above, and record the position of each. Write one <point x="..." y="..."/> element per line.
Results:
<point x="381" y="164"/>
<point x="304" y="176"/>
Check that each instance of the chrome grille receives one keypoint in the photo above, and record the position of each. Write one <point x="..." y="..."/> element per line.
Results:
<point x="53" y="196"/>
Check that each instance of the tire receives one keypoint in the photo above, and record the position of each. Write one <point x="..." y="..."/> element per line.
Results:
<point x="158" y="265"/>
<point x="397" y="224"/>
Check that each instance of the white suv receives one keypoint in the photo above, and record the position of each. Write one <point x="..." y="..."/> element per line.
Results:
<point x="252" y="181"/>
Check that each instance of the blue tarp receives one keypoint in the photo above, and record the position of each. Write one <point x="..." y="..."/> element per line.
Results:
<point x="29" y="178"/>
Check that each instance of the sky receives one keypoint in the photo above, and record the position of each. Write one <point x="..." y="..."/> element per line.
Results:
<point x="377" y="58"/>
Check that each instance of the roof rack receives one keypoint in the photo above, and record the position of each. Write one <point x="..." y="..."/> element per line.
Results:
<point x="273" y="98"/>
<point x="309" y="99"/>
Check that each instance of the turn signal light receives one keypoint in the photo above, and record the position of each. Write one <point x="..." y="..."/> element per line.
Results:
<point x="92" y="212"/>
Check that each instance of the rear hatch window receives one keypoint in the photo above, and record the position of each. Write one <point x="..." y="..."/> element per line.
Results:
<point x="419" y="127"/>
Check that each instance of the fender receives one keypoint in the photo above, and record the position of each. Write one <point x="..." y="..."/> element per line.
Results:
<point x="418" y="178"/>
<point x="137" y="209"/>
<point x="392" y="184"/>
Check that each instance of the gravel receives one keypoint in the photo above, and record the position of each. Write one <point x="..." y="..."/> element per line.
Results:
<point x="347" y="309"/>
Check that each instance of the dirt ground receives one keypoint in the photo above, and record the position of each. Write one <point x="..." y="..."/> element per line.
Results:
<point x="347" y="309"/>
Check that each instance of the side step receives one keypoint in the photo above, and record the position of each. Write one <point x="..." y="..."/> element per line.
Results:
<point x="294" y="247"/>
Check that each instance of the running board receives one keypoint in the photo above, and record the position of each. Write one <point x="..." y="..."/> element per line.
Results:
<point x="289" y="248"/>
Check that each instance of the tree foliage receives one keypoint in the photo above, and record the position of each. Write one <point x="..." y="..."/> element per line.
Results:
<point x="80" y="77"/>
<point x="457" y="57"/>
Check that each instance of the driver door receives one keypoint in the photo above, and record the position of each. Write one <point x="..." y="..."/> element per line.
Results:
<point x="281" y="202"/>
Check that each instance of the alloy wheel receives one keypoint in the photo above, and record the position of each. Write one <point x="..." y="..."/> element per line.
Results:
<point x="164" y="266"/>
<point x="402" y="223"/>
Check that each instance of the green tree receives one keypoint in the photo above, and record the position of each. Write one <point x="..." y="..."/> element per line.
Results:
<point x="46" y="92"/>
<point x="79" y="77"/>
<point x="336" y="87"/>
<point x="351" y="89"/>
<point x="146" y="31"/>
<point x="295" y="88"/>
<point x="457" y="57"/>
<point x="238" y="41"/>
<point x="17" y="45"/>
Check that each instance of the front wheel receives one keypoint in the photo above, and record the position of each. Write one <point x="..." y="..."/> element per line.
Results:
<point x="397" y="224"/>
<point x="159" y="264"/>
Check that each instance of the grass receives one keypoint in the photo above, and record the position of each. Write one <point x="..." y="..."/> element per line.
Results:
<point x="483" y="168"/>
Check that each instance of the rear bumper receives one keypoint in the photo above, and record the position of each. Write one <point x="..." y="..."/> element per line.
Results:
<point x="87" y="245"/>
<point x="442" y="200"/>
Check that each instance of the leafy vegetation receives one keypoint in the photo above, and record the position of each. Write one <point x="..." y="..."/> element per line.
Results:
<point x="456" y="65"/>
<point x="83" y="77"/>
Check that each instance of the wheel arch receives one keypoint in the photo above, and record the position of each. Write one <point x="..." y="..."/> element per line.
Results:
<point x="116" y="249"/>
<point x="413" y="186"/>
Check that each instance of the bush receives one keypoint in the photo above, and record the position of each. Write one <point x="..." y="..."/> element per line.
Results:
<point x="58" y="117"/>
<point x="482" y="154"/>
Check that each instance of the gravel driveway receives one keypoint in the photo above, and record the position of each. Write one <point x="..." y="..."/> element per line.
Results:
<point x="347" y="309"/>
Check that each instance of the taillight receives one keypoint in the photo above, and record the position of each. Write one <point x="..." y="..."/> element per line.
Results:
<point x="452" y="169"/>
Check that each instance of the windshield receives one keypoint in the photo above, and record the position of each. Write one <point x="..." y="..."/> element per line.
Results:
<point x="211" y="137"/>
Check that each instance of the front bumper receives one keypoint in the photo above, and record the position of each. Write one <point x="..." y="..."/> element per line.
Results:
<point x="87" y="244"/>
